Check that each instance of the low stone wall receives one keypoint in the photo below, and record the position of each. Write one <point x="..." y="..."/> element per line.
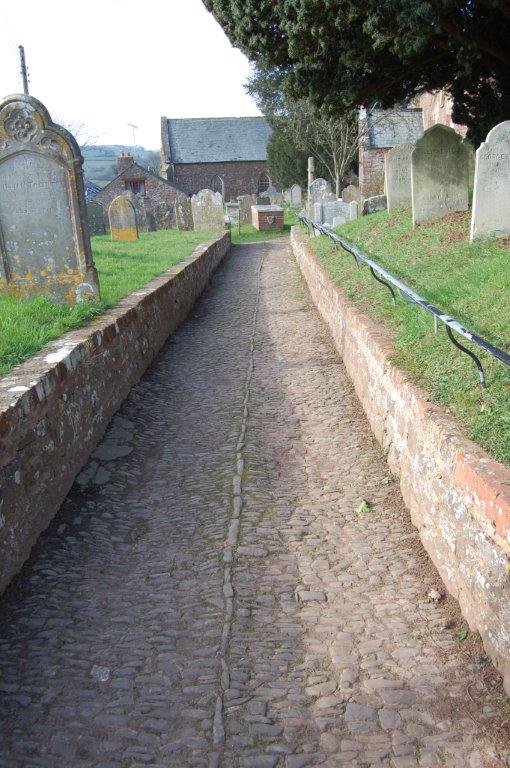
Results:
<point x="55" y="407"/>
<point x="458" y="497"/>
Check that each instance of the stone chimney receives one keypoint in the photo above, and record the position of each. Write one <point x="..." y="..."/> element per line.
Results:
<point x="124" y="161"/>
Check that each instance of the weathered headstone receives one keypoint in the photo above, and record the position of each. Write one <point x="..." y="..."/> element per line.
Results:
<point x="183" y="215"/>
<point x="245" y="204"/>
<point x="44" y="241"/>
<point x="95" y="218"/>
<point x="353" y="193"/>
<point x="397" y="176"/>
<point x="207" y="208"/>
<point x="491" y="198"/>
<point x="440" y="168"/>
<point x="374" y="204"/>
<point x="286" y="196"/>
<point x="339" y="212"/>
<point x="317" y="213"/>
<point x="296" y="196"/>
<point x="318" y="189"/>
<point x="232" y="211"/>
<point x="122" y="218"/>
<point x="163" y="215"/>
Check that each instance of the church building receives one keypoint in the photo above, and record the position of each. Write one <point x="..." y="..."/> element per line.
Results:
<point x="225" y="154"/>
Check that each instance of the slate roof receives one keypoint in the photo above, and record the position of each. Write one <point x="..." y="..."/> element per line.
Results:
<point x="215" y="139"/>
<point x="91" y="189"/>
<point x="388" y="128"/>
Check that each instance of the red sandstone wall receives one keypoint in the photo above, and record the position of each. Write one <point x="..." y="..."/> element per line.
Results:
<point x="437" y="108"/>
<point x="55" y="407"/>
<point x="238" y="178"/>
<point x="371" y="171"/>
<point x="459" y="498"/>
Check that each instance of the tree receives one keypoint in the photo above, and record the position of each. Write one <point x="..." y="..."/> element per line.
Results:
<point x="301" y="129"/>
<point x="342" y="54"/>
<point x="286" y="162"/>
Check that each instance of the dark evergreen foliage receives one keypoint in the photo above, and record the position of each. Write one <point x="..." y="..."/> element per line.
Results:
<point x="346" y="53"/>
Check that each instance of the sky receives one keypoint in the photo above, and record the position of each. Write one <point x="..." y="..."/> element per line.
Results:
<point x="108" y="63"/>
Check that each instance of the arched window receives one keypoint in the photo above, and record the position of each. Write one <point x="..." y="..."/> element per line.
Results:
<point x="264" y="182"/>
<point x="218" y="186"/>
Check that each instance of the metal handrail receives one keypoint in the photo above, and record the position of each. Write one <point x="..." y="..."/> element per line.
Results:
<point x="386" y="278"/>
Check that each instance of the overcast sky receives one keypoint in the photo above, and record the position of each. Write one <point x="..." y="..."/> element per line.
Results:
<point x="107" y="63"/>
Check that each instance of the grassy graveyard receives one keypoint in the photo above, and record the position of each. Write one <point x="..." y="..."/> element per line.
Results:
<point x="469" y="281"/>
<point x="27" y="324"/>
<point x="249" y="234"/>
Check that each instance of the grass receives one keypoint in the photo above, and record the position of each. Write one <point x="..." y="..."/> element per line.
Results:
<point x="26" y="325"/>
<point x="469" y="281"/>
<point x="249" y="234"/>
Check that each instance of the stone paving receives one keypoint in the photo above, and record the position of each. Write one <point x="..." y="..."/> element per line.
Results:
<point x="213" y="592"/>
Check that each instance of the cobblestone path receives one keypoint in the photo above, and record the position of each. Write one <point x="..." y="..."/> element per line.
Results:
<point x="209" y="595"/>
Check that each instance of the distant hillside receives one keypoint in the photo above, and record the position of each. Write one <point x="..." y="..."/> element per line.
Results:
<point x="100" y="164"/>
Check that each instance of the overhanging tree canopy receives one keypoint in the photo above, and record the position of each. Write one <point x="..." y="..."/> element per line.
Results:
<point x="346" y="53"/>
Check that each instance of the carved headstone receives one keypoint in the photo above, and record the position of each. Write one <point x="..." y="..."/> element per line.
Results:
<point x="182" y="213"/>
<point x="245" y="204"/>
<point x="440" y="168"/>
<point x="95" y="218"/>
<point x="491" y="199"/>
<point x="122" y="217"/>
<point x="318" y="189"/>
<point x="207" y="207"/>
<point x="397" y="176"/>
<point x="44" y="240"/>
<point x="296" y="196"/>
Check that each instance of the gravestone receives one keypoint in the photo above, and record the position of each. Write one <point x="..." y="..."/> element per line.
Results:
<point x="232" y="211"/>
<point x="183" y="215"/>
<point x="374" y="204"/>
<point x="245" y="204"/>
<point x="44" y="240"/>
<point x="439" y="174"/>
<point x="397" y="176"/>
<point x="491" y="199"/>
<point x="296" y="196"/>
<point x="316" y="192"/>
<point x="318" y="189"/>
<point x="163" y="215"/>
<point x="207" y="208"/>
<point x="353" y="193"/>
<point x="122" y="218"/>
<point x="286" y="196"/>
<point x="317" y="213"/>
<point x="341" y="212"/>
<point x="95" y="218"/>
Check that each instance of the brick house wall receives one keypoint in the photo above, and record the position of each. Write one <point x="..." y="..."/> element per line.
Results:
<point x="239" y="178"/>
<point x="371" y="171"/>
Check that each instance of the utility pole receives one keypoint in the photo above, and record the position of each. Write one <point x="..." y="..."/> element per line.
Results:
<point x="24" y="71"/>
